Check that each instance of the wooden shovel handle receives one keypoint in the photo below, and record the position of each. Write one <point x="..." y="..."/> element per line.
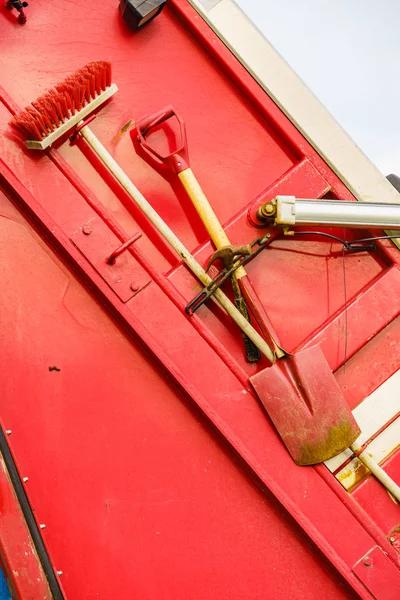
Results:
<point x="206" y="213"/>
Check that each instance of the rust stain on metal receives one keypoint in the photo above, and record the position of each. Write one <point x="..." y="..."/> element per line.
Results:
<point x="356" y="470"/>
<point x="336" y="440"/>
<point x="350" y="477"/>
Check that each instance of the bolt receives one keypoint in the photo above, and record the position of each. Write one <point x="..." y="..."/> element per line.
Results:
<point x="266" y="211"/>
<point x="8" y="431"/>
<point x="134" y="287"/>
<point x="86" y="230"/>
<point x="42" y="525"/>
<point x="392" y="539"/>
<point x="368" y="562"/>
<point x="25" y="479"/>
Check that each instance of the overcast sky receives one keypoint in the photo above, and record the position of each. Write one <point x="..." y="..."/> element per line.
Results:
<point x="348" y="53"/>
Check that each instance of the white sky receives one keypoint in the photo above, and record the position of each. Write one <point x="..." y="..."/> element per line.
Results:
<point x="348" y="53"/>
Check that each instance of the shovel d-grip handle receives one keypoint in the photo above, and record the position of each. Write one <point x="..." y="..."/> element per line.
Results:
<point x="178" y="162"/>
<point x="178" y="159"/>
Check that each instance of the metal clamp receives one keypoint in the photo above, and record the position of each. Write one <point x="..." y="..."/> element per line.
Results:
<point x="202" y="297"/>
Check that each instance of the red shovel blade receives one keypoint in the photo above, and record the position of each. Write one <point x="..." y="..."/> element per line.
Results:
<point x="307" y="407"/>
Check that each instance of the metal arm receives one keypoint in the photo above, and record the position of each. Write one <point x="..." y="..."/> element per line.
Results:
<point x="291" y="211"/>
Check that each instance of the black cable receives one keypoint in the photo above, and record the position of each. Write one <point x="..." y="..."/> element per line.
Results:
<point x="323" y="234"/>
<point x="380" y="237"/>
<point x="349" y="245"/>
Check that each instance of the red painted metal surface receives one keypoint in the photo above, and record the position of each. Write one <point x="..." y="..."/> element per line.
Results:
<point x="154" y="467"/>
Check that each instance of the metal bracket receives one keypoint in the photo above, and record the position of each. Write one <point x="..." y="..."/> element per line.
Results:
<point x="379" y="575"/>
<point x="119" y="269"/>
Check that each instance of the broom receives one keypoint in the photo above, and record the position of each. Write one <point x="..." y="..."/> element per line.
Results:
<point x="67" y="105"/>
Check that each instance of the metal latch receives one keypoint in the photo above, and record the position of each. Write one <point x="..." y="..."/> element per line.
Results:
<point x="111" y="258"/>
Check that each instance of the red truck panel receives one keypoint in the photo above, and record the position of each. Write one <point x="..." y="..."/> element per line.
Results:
<point x="154" y="468"/>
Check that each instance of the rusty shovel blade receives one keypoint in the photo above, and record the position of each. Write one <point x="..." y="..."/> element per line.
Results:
<point x="307" y="407"/>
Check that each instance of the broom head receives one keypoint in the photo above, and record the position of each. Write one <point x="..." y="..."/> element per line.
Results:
<point x="62" y="107"/>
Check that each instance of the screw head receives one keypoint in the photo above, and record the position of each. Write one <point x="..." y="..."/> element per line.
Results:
<point x="8" y="432"/>
<point x="42" y="525"/>
<point x="392" y="539"/>
<point x="134" y="286"/>
<point x="86" y="230"/>
<point x="25" y="479"/>
<point x="368" y="562"/>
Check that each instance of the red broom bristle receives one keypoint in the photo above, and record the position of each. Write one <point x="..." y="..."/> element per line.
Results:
<point x="57" y="105"/>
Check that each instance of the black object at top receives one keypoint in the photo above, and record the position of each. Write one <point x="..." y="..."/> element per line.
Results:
<point x="137" y="13"/>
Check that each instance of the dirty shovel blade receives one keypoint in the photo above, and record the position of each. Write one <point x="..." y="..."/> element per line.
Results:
<point x="307" y="407"/>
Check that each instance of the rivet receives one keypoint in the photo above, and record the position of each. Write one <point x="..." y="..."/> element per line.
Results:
<point x="86" y="230"/>
<point x="42" y="525"/>
<point x="59" y="572"/>
<point x="8" y="431"/>
<point x="134" y="287"/>
<point x="25" y="479"/>
<point x="392" y="539"/>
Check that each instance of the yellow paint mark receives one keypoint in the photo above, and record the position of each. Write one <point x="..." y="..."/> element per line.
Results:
<point x="127" y="126"/>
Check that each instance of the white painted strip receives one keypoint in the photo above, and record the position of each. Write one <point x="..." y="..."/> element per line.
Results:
<point x="378" y="408"/>
<point x="334" y="463"/>
<point x="373" y="413"/>
<point x="299" y="104"/>
<point x="81" y="114"/>
<point x="209" y="4"/>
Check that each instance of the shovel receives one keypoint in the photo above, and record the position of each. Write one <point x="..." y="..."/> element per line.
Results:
<point x="299" y="392"/>
<point x="302" y="397"/>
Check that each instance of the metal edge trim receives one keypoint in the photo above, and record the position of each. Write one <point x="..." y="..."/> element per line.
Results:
<point x="29" y="518"/>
